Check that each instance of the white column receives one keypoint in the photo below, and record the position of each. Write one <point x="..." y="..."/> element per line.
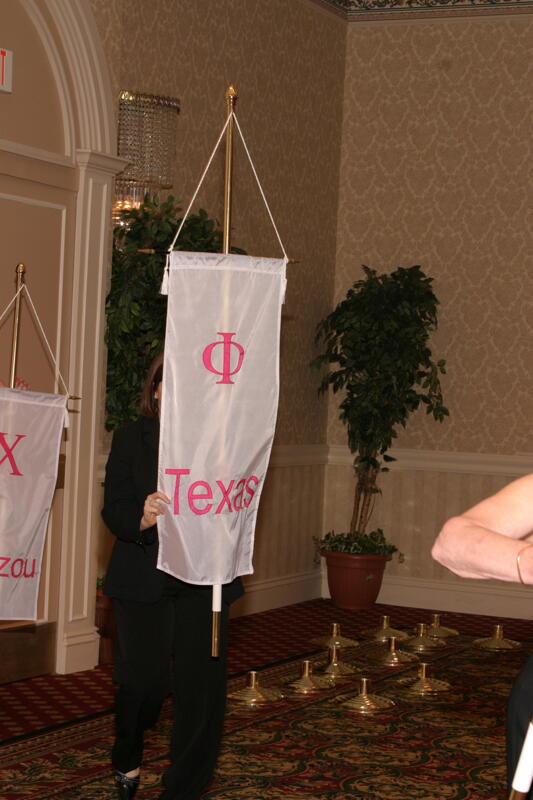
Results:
<point x="77" y="639"/>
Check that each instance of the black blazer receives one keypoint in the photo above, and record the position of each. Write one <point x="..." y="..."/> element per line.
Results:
<point x="131" y="475"/>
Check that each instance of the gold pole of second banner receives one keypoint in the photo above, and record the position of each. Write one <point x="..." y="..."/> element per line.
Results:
<point x="230" y="97"/>
<point x="20" y="270"/>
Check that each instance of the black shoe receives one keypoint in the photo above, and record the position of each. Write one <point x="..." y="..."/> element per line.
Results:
<point x="126" y="787"/>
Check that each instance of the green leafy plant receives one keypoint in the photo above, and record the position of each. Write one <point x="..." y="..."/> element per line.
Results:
<point x="357" y="543"/>
<point x="135" y="311"/>
<point x="375" y="345"/>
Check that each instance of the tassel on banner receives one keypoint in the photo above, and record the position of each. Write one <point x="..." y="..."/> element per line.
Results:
<point x="164" y="282"/>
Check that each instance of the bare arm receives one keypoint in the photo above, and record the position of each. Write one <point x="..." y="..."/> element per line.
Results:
<point x="485" y="541"/>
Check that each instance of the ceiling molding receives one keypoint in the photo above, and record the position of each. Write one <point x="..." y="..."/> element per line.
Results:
<point x="364" y="10"/>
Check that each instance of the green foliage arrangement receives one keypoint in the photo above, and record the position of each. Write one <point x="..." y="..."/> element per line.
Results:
<point x="136" y="312"/>
<point x="357" y="543"/>
<point x="375" y="346"/>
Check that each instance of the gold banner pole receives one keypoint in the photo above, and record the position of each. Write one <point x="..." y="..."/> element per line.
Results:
<point x="20" y="270"/>
<point x="230" y="97"/>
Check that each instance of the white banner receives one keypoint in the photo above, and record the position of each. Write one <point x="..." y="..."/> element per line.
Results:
<point x="219" y="407"/>
<point x="30" y="436"/>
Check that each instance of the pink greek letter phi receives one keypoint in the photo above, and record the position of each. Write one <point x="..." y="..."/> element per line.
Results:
<point x="226" y="372"/>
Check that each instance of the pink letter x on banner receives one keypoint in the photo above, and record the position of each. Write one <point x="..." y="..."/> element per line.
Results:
<point x="31" y="424"/>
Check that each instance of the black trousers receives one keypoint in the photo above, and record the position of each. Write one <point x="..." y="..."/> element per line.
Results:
<point x="161" y="647"/>
<point x="519" y="715"/>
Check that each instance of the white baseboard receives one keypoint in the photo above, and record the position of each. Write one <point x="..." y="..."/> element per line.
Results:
<point x="467" y="596"/>
<point x="277" y="592"/>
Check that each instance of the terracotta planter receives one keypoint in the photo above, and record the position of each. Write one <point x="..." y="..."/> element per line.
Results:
<point x="354" y="580"/>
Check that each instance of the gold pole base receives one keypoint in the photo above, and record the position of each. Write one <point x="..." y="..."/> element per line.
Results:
<point x="516" y="795"/>
<point x="384" y="631"/>
<point x="337" y="669"/>
<point x="308" y="683"/>
<point x="438" y="631"/>
<point x="423" y="685"/>
<point x="392" y="657"/>
<point x="497" y="642"/>
<point x="253" y="695"/>
<point x="395" y="658"/>
<point x="422" y="642"/>
<point x="215" y="634"/>
<point x="368" y="704"/>
<point x="334" y="639"/>
<point x="365" y="703"/>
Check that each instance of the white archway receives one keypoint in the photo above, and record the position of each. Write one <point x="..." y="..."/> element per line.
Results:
<point x="68" y="30"/>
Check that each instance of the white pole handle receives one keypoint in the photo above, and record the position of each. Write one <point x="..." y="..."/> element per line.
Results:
<point x="523" y="776"/>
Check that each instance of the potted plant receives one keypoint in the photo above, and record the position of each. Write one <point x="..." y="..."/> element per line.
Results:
<point x="375" y="347"/>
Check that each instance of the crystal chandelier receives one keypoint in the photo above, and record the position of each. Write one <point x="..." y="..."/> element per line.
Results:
<point x="147" y="140"/>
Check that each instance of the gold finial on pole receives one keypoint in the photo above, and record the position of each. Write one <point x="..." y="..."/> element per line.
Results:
<point x="20" y="270"/>
<point x="231" y="98"/>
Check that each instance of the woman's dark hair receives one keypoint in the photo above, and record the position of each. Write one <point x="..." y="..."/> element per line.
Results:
<point x="154" y="376"/>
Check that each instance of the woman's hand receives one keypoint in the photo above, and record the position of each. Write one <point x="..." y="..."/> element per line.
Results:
<point x="152" y="508"/>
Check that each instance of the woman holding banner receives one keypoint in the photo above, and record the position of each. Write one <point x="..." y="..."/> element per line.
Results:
<point x="163" y="624"/>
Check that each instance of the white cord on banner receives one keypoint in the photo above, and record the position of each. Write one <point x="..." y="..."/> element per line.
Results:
<point x="222" y="132"/>
<point x="259" y="185"/>
<point x="46" y="341"/>
<point x="6" y="309"/>
<point x="164" y="285"/>
<point x="24" y="287"/>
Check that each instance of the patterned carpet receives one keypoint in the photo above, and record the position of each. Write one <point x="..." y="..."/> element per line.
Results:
<point x="256" y="641"/>
<point x="310" y="749"/>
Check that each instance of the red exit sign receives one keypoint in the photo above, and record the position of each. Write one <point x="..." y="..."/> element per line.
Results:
<point x="6" y="70"/>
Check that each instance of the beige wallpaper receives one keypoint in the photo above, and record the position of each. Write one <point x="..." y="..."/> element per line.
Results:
<point x="436" y="171"/>
<point x="435" y="132"/>
<point x="287" y="61"/>
<point x="413" y="507"/>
